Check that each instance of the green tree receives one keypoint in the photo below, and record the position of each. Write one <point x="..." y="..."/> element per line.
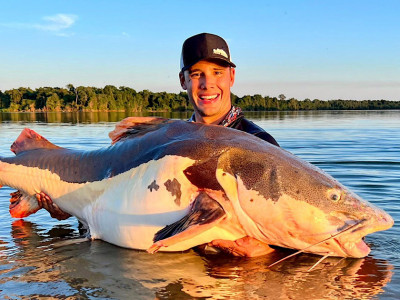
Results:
<point x="73" y="90"/>
<point x="15" y="96"/>
<point x="53" y="103"/>
<point x="282" y="97"/>
<point x="293" y="104"/>
<point x="93" y="103"/>
<point x="4" y="100"/>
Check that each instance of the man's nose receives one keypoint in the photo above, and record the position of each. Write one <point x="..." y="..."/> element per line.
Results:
<point x="207" y="82"/>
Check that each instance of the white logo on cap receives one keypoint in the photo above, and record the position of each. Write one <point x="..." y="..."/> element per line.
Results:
<point x="220" y="52"/>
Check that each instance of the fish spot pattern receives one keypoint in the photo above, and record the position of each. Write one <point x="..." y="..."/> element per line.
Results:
<point x="202" y="174"/>
<point x="154" y="186"/>
<point x="257" y="174"/>
<point x="265" y="181"/>
<point x="274" y="187"/>
<point x="174" y="187"/>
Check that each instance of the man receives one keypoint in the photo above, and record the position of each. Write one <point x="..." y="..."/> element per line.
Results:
<point x="207" y="74"/>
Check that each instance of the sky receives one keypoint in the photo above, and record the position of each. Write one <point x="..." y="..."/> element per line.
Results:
<point x="303" y="49"/>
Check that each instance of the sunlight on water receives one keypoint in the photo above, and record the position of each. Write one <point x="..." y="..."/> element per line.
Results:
<point x="361" y="149"/>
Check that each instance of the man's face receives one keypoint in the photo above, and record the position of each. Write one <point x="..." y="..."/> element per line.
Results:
<point x="209" y="89"/>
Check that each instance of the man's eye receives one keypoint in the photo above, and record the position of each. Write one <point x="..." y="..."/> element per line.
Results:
<point x="195" y="75"/>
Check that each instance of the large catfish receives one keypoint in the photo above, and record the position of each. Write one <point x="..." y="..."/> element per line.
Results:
<point x="172" y="185"/>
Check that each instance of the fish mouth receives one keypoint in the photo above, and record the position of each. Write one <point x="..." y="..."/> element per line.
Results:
<point x="356" y="248"/>
<point x="349" y="241"/>
<point x="349" y="245"/>
<point x="353" y="244"/>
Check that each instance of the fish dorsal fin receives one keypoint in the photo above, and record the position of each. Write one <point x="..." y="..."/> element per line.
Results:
<point x="30" y="140"/>
<point x="134" y="126"/>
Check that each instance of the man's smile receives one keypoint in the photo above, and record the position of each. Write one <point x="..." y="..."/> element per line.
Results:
<point x="209" y="98"/>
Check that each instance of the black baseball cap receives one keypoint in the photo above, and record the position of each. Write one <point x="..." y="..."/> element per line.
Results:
<point x="204" y="46"/>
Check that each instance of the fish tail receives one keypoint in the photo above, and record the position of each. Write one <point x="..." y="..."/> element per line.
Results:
<point x="22" y="205"/>
<point x="30" y="140"/>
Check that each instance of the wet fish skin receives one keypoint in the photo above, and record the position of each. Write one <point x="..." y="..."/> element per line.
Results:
<point x="158" y="173"/>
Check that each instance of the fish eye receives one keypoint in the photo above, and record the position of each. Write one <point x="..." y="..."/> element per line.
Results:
<point x="334" y="195"/>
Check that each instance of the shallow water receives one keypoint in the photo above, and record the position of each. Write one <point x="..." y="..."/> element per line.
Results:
<point x="359" y="148"/>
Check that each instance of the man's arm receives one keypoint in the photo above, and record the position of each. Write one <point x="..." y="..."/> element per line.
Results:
<point x="245" y="247"/>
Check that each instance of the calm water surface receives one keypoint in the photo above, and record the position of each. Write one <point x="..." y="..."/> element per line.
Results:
<point x="361" y="149"/>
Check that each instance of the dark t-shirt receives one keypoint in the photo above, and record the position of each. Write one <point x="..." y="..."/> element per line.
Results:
<point x="241" y="123"/>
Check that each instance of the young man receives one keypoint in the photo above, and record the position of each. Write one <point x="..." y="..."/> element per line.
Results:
<point x="207" y="74"/>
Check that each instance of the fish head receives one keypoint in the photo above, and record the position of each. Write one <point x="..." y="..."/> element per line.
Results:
<point x="284" y="201"/>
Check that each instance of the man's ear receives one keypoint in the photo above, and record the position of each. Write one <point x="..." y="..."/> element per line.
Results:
<point x="232" y="73"/>
<point x="182" y="80"/>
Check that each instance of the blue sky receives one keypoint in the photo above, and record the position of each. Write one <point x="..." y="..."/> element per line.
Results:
<point x="303" y="49"/>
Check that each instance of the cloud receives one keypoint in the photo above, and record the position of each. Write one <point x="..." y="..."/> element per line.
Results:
<point x="56" y="24"/>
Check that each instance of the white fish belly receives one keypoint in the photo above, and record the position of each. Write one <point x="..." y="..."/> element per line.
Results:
<point x="141" y="201"/>
<point x="71" y="197"/>
<point x="126" y="210"/>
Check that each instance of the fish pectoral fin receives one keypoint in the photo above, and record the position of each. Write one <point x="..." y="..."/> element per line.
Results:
<point x="204" y="214"/>
<point x="133" y="126"/>
<point x="22" y="205"/>
<point x="191" y="232"/>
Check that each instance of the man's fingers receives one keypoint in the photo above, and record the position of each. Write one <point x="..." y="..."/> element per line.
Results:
<point x="42" y="201"/>
<point x="45" y="202"/>
<point x="39" y="200"/>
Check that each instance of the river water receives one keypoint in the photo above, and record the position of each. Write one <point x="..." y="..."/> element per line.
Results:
<point x="359" y="148"/>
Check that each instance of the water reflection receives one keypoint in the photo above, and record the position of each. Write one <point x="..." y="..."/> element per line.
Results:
<point x="115" y="116"/>
<point x="98" y="269"/>
<point x="83" y="117"/>
<point x="332" y="279"/>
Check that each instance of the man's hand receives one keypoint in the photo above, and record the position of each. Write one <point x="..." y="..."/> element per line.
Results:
<point x="246" y="246"/>
<point x="45" y="202"/>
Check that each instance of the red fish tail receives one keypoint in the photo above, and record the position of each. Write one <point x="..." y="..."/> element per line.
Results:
<point x="22" y="205"/>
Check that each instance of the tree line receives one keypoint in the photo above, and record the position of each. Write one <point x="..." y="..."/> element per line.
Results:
<point x="111" y="98"/>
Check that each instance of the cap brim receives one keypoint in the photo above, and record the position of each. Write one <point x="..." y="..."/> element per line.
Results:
<point x="217" y="60"/>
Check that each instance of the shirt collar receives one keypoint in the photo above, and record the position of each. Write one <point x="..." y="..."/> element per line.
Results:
<point x="230" y="117"/>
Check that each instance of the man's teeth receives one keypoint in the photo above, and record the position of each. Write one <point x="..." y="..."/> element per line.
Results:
<point x="208" y="97"/>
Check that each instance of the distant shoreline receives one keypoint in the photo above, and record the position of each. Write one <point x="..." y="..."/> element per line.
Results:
<point x="126" y="99"/>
